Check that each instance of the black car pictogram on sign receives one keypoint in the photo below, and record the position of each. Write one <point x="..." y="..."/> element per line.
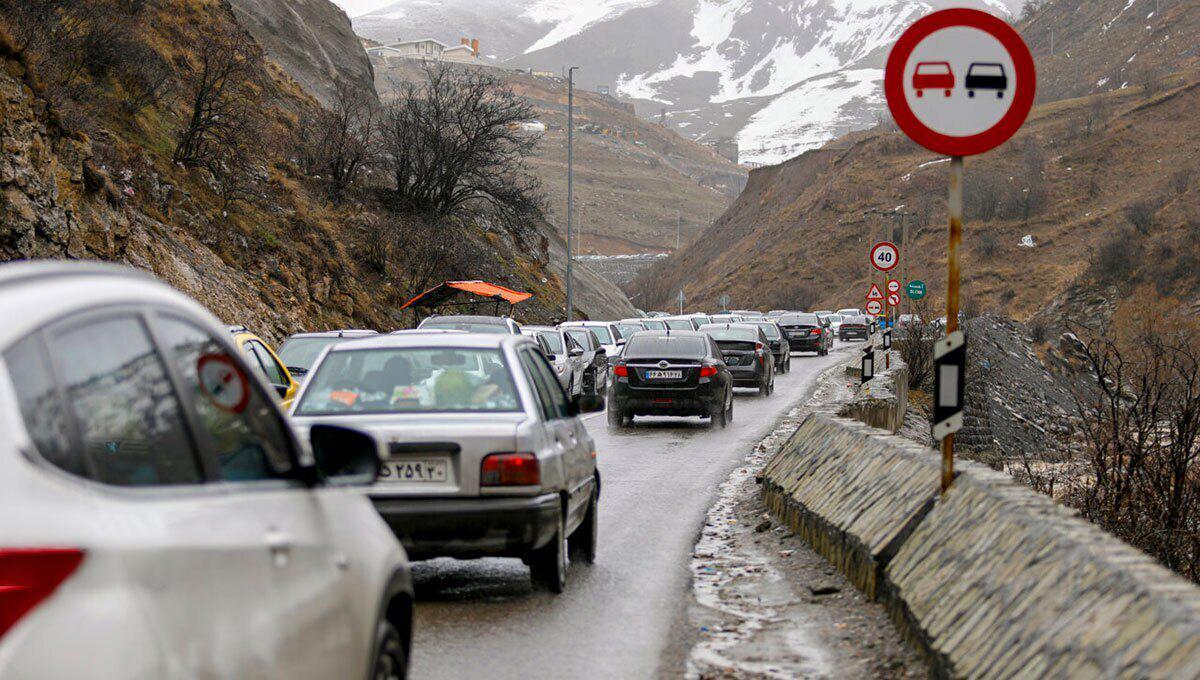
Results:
<point x="986" y="76"/>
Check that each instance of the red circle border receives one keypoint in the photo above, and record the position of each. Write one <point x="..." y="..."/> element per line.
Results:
<point x="894" y="264"/>
<point x="893" y="82"/>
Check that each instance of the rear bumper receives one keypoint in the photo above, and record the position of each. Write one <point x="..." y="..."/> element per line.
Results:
<point x="748" y="376"/>
<point x="647" y="402"/>
<point x="470" y="527"/>
<point x="806" y="344"/>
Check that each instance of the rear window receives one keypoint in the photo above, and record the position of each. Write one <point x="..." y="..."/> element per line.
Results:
<point x="628" y="329"/>
<point x="769" y="329"/>
<point x="303" y="352"/>
<point x="723" y="334"/>
<point x="798" y="320"/>
<point x="410" y="380"/>
<point x="469" y="326"/>
<point x="654" y="325"/>
<point x="679" y="324"/>
<point x="834" y="318"/>
<point x="665" y="346"/>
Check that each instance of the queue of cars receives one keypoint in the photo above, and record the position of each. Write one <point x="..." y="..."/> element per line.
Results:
<point x="183" y="501"/>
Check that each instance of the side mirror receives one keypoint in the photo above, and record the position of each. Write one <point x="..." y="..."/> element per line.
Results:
<point x="588" y="403"/>
<point x="620" y="342"/>
<point x="345" y="457"/>
<point x="576" y="352"/>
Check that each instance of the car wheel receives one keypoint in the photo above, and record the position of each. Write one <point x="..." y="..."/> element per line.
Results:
<point x="616" y="417"/>
<point x="729" y="411"/>
<point x="548" y="564"/>
<point x="389" y="662"/>
<point x="582" y="543"/>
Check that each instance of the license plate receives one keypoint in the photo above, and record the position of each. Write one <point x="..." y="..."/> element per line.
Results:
<point x="664" y="375"/>
<point x="413" y="471"/>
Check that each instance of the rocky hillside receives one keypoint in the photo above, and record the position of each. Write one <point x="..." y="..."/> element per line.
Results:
<point x="89" y="176"/>
<point x="311" y="39"/>
<point x="1104" y="186"/>
<point x="635" y="181"/>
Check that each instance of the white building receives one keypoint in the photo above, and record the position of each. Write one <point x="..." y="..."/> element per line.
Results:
<point x="427" y="49"/>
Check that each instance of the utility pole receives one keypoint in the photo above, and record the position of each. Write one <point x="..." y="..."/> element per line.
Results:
<point x="570" y="188"/>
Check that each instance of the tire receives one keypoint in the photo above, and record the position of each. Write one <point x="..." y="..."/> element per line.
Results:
<point x="616" y="417"/>
<point x="390" y="662"/>
<point x="729" y="411"/>
<point x="581" y="545"/>
<point x="548" y="564"/>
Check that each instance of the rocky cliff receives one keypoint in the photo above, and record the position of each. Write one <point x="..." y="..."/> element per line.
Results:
<point x="311" y="39"/>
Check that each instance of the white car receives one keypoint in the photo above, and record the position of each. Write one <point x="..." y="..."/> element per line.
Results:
<point x="835" y="322"/>
<point x="486" y="456"/>
<point x="850" y="311"/>
<point x="607" y="332"/>
<point x="161" y="519"/>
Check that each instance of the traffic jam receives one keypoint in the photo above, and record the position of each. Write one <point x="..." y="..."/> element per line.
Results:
<point x="206" y="491"/>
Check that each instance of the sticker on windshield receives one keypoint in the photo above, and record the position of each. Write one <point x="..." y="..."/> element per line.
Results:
<point x="223" y="383"/>
<point x="343" y="397"/>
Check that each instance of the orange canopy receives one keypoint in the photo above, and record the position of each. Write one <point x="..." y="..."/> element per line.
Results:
<point x="442" y="292"/>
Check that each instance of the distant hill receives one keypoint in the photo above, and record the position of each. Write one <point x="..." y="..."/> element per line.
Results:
<point x="635" y="181"/>
<point x="1106" y="185"/>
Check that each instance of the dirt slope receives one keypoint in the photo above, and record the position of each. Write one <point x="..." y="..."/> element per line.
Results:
<point x="633" y="178"/>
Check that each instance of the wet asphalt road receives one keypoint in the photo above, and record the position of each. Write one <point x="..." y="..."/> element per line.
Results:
<point x="624" y="616"/>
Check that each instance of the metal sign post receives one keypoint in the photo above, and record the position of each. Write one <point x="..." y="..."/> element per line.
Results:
<point x="958" y="82"/>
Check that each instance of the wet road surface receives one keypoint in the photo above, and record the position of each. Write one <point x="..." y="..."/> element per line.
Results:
<point x="624" y="616"/>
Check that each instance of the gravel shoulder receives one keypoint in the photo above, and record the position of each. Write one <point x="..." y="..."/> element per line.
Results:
<point x="764" y="605"/>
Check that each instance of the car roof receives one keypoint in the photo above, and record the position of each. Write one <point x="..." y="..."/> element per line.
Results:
<point x="732" y="326"/>
<point x="469" y="318"/>
<point x="344" y="333"/>
<point x="539" y="329"/>
<point x="427" y="331"/>
<point x="671" y="334"/>
<point x="445" y="341"/>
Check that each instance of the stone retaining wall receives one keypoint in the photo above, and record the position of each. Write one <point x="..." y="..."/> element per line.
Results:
<point x="883" y="401"/>
<point x="992" y="580"/>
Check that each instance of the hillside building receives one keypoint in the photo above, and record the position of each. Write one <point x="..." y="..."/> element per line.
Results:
<point x="427" y="49"/>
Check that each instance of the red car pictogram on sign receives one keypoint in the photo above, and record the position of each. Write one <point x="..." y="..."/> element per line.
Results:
<point x="933" y="75"/>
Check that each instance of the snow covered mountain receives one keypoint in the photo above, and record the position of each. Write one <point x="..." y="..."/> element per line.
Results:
<point x="780" y="76"/>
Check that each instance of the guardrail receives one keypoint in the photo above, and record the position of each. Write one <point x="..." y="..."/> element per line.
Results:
<point x="990" y="580"/>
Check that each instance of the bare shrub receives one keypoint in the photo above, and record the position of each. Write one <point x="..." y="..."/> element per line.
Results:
<point x="1095" y="114"/>
<point x="1140" y="214"/>
<point x="1116" y="258"/>
<point x="1038" y="331"/>
<point x="987" y="245"/>
<point x="1141" y="428"/>
<point x="1181" y="180"/>
<point x="455" y="140"/>
<point x="983" y="195"/>
<point x="1149" y="77"/>
<point x="223" y="96"/>
<point x="339" y="144"/>
<point x="915" y="341"/>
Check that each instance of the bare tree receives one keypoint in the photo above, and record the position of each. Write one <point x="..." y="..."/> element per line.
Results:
<point x="339" y="144"/>
<point x="223" y="97"/>
<point x="915" y="341"/>
<point x="456" y="139"/>
<point x="1141" y="428"/>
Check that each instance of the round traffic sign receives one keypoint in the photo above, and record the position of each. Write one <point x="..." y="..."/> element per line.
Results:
<point x="884" y="256"/>
<point x="916" y="290"/>
<point x="874" y="307"/>
<point x="960" y="81"/>
<point x="894" y="299"/>
<point x="223" y="383"/>
<point x="893" y="286"/>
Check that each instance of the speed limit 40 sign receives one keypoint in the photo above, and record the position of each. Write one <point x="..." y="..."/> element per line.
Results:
<point x="885" y="256"/>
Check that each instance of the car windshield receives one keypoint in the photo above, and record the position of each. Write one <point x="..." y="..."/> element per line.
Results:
<point x="834" y="318"/>
<point x="654" y="324"/>
<point x="603" y="333"/>
<point x="725" y="333"/>
<point x="469" y="326"/>
<point x="303" y="352"/>
<point x="410" y="380"/>
<point x="679" y="324"/>
<point x="769" y="329"/>
<point x="798" y="320"/>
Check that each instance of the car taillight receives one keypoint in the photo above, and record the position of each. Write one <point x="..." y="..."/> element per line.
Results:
<point x="816" y="331"/>
<point x="29" y="576"/>
<point x="621" y="371"/>
<point x="510" y="469"/>
<point x="708" y="371"/>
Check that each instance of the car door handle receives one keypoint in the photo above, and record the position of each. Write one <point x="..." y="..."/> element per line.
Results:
<point x="280" y="546"/>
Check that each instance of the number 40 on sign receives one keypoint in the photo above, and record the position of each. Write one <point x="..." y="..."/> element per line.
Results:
<point x="884" y="256"/>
